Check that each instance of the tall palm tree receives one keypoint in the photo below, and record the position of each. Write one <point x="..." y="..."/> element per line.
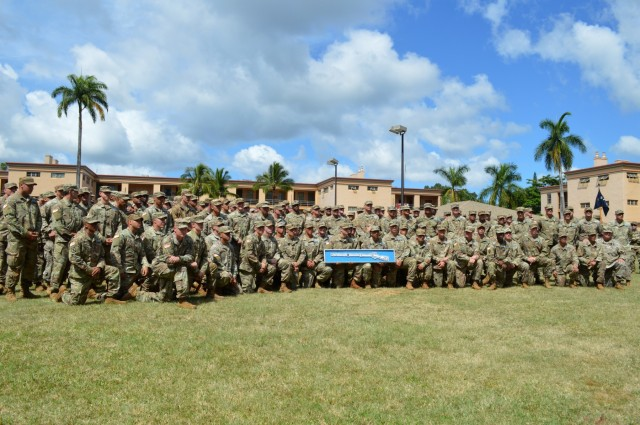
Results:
<point x="556" y="149"/>
<point x="503" y="191"/>
<point x="456" y="178"/>
<point x="199" y="179"/>
<point x="220" y="184"/>
<point x="89" y="94"/>
<point x="275" y="178"/>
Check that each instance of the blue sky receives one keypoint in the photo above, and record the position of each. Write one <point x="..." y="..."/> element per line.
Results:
<point x="240" y="84"/>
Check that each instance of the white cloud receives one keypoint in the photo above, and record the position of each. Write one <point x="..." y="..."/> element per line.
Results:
<point x="628" y="145"/>
<point x="8" y="71"/>
<point x="254" y="160"/>
<point x="513" y="43"/>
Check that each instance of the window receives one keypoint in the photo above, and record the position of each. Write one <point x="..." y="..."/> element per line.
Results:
<point x="33" y="173"/>
<point x="372" y="188"/>
<point x="57" y="175"/>
<point x="566" y="200"/>
<point x="585" y="205"/>
<point x="311" y="196"/>
<point x="548" y="198"/>
<point x="603" y="179"/>
<point x="633" y="202"/>
<point x="326" y="189"/>
<point x="632" y="178"/>
<point x="584" y="182"/>
<point x="354" y="187"/>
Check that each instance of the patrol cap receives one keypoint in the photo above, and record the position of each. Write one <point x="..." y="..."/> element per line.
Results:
<point x="239" y="201"/>
<point x="374" y="229"/>
<point x="135" y="194"/>
<point x="159" y="195"/>
<point x="70" y="187"/>
<point x="441" y="227"/>
<point x="427" y="205"/>
<point x="528" y="209"/>
<point x="501" y="216"/>
<point x="203" y="203"/>
<point x="186" y="192"/>
<point x="340" y="206"/>
<point x="533" y="226"/>
<point x="197" y="219"/>
<point x="469" y="229"/>
<point x="588" y="209"/>
<point x="607" y="229"/>
<point x="592" y="232"/>
<point x="567" y="212"/>
<point x="327" y="208"/>
<point x="378" y="207"/>
<point x="570" y="208"/>
<point x="549" y="207"/>
<point x="232" y="203"/>
<point x="295" y="203"/>
<point x="393" y="223"/>
<point x="619" y="212"/>
<point x="106" y="189"/>
<point x="520" y="209"/>
<point x="368" y="202"/>
<point x="507" y="229"/>
<point x="91" y="219"/>
<point x="84" y="191"/>
<point x="258" y="224"/>
<point x="473" y="213"/>
<point x="335" y="207"/>
<point x="281" y="223"/>
<point x="346" y="225"/>
<point x="447" y="213"/>
<point x="634" y="223"/>
<point x="421" y="232"/>
<point x="268" y="223"/>
<point x="124" y="196"/>
<point x="351" y="213"/>
<point x="360" y="210"/>
<point x="499" y="230"/>
<point x="159" y="214"/>
<point x="48" y="194"/>
<point x="322" y="225"/>
<point x="405" y="207"/>
<point x="315" y="207"/>
<point x="181" y="223"/>
<point x="216" y="202"/>
<point x="28" y="181"/>
<point x="308" y="224"/>
<point x="215" y="221"/>
<point x="391" y="208"/>
<point x="224" y="229"/>
<point x="480" y="225"/>
<point x="144" y="193"/>
<point x="454" y="206"/>
<point x="562" y="234"/>
<point x="404" y="225"/>
<point x="134" y="216"/>
<point x="10" y="185"/>
<point x="291" y="226"/>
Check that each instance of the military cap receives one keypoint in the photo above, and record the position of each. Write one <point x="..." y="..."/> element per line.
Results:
<point x="70" y="187"/>
<point x="10" y="185"/>
<point x="159" y="195"/>
<point x="182" y="223"/>
<point x="570" y="208"/>
<point x="501" y="216"/>
<point x="185" y="192"/>
<point x="499" y="230"/>
<point x="351" y="213"/>
<point x="346" y="225"/>
<point x="548" y="207"/>
<point x="592" y="232"/>
<point x="295" y="202"/>
<point x="239" y="201"/>
<point x="48" y="194"/>
<point x="427" y="205"/>
<point x="447" y="213"/>
<point x="391" y="208"/>
<point x="393" y="223"/>
<point x="168" y="202"/>
<point x="470" y="229"/>
<point x="374" y="229"/>
<point x="134" y="216"/>
<point x="28" y="181"/>
<point x="405" y="207"/>
<point x="258" y="223"/>
<point x="335" y="207"/>
<point x="473" y="212"/>
<point x="441" y="227"/>
<point x="378" y="207"/>
<point x="215" y="221"/>
<point x="455" y="206"/>
<point x="588" y="209"/>
<point x="404" y="225"/>
<point x="144" y="193"/>
<point x="562" y="234"/>
<point x="134" y="194"/>
<point x="607" y="229"/>
<point x="480" y="225"/>
<point x="520" y="209"/>
<point x="619" y="212"/>
<point x="634" y="223"/>
<point x="203" y="203"/>
<point x="106" y="189"/>
<point x="360" y="210"/>
<point x="91" y="219"/>
<point x="322" y="224"/>
<point x="264" y="205"/>
<point x="567" y="212"/>
<point x="158" y="214"/>
<point x="291" y="226"/>
<point x="507" y="229"/>
<point x="415" y="209"/>
<point x="224" y="229"/>
<point x="533" y="226"/>
<point x="278" y="207"/>
<point x="315" y="207"/>
<point x="528" y="209"/>
<point x="84" y="191"/>
<point x="421" y="232"/>
<point x="285" y="203"/>
<point x="328" y="207"/>
<point x="308" y="224"/>
<point x="368" y="202"/>
<point x="216" y="202"/>
<point x="483" y="213"/>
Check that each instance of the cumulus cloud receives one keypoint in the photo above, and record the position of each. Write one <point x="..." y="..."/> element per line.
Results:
<point x="627" y="145"/>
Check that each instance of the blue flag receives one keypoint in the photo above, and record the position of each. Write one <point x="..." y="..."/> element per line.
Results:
<point x="600" y="202"/>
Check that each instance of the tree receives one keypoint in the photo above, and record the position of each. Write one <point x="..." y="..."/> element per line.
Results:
<point x="88" y="93"/>
<point x="502" y="191"/>
<point x="3" y="166"/>
<point x="456" y="178"/>
<point x="556" y="150"/>
<point x="275" y="178"/>
<point x="199" y="179"/>
<point x="220" y="184"/>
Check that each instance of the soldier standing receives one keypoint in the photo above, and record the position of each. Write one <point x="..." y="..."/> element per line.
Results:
<point x="9" y="189"/>
<point x="158" y="206"/>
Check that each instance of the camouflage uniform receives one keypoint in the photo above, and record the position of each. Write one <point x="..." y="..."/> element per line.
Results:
<point x="456" y="226"/>
<point x="438" y="251"/>
<point x="67" y="221"/>
<point x="111" y="220"/>
<point x="290" y="252"/>
<point x="486" y="252"/>
<point x="128" y="256"/>
<point x="571" y="230"/>
<point x="463" y="251"/>
<point x="564" y="259"/>
<point x="226" y="267"/>
<point x="549" y="230"/>
<point x="585" y="227"/>
<point x="400" y="245"/>
<point x="320" y="272"/>
<point x="272" y="255"/>
<point x="420" y="252"/>
<point x="588" y="253"/>
<point x="147" y="217"/>
<point x="200" y="254"/>
<point x="47" y="221"/>
<point x="609" y="267"/>
<point x="341" y="270"/>
<point x="537" y="248"/>
<point x="251" y="259"/>
<point x="4" y="234"/>
<point x="372" y="272"/>
<point x="634" y="243"/>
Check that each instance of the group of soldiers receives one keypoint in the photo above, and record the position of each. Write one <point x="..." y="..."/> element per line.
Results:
<point x="152" y="249"/>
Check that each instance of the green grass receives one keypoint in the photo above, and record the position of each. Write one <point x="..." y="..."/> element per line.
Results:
<point x="511" y="356"/>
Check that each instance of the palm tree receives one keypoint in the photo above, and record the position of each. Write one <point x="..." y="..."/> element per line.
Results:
<point x="275" y="178"/>
<point x="503" y="191"/>
<point x="220" y="184"/>
<point x="199" y="179"/>
<point x="89" y="94"/>
<point x="456" y="178"/>
<point x="556" y="150"/>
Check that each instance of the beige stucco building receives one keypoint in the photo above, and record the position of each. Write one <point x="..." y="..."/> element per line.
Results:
<point x="352" y="192"/>
<point x="618" y="183"/>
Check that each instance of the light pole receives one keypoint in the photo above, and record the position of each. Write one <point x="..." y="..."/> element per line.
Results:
<point x="400" y="129"/>
<point x="335" y="163"/>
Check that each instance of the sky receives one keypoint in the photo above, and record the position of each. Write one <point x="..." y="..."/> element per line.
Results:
<point x="238" y="84"/>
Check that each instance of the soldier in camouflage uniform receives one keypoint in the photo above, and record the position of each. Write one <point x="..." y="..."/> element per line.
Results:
<point x="171" y="267"/>
<point x="315" y="272"/>
<point x="253" y="261"/>
<point x="151" y="240"/>
<point x="613" y="263"/>
<point x="367" y="219"/>
<point x="587" y="225"/>
<point x="485" y="251"/>
<point x="400" y="244"/>
<point x="128" y="255"/>
<point x="224" y="270"/>
<point x="536" y="254"/>
<point x="272" y="255"/>
<point x="372" y="272"/>
<point x="215" y="214"/>
<point x="84" y="200"/>
<point x="9" y="189"/>
<point x="291" y="257"/>
<point x="295" y="216"/>
<point x="441" y="254"/>
<point x="508" y="259"/>
<point x="565" y="262"/>
<point x="622" y="233"/>
<point x="240" y="224"/>
<point x="158" y="206"/>
<point x="199" y="274"/>
<point x="343" y="240"/>
<point x="634" y="243"/>
<point x="183" y="209"/>
<point x="588" y="253"/>
<point x="570" y="227"/>
<point x="467" y="258"/>
<point x="392" y="214"/>
<point x="548" y="226"/>
<point x="22" y="216"/>
<point x="88" y="267"/>
<point x="407" y="220"/>
<point x="429" y="220"/>
<point x="110" y="217"/>
<point x="456" y="224"/>
<point x="520" y="227"/>
<point x="49" y="234"/>
<point x="420" y="252"/>
<point x="67" y="221"/>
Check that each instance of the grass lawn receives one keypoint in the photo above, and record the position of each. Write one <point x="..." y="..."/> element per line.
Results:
<point x="512" y="356"/>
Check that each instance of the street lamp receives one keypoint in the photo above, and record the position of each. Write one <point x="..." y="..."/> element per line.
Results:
<point x="400" y="129"/>
<point x="335" y="163"/>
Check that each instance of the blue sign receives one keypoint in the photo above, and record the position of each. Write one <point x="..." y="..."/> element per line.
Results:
<point x="359" y="256"/>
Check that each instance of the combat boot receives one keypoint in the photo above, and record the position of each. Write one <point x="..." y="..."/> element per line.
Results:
<point x="284" y="288"/>
<point x="40" y="287"/>
<point x="619" y="286"/>
<point x="111" y="300"/>
<point x="133" y="291"/>
<point x="62" y="290"/>
<point x="476" y="286"/>
<point x="367" y="286"/>
<point x="91" y="294"/>
<point x="486" y="279"/>
<point x="262" y="290"/>
<point x="27" y="294"/>
<point x="10" y="296"/>
<point x="317" y="285"/>
<point x="354" y="284"/>
<point x="2" y="289"/>
<point x="600" y="286"/>
<point x="493" y="286"/>
<point x="450" y="285"/>
<point x="547" y="284"/>
<point x="186" y="304"/>
<point x="202" y="291"/>
<point x="525" y="285"/>
<point x="425" y="285"/>
<point x="409" y="286"/>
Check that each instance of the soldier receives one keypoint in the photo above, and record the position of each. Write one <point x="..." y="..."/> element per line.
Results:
<point x="570" y="227"/>
<point x="367" y="219"/>
<point x="42" y="283"/>
<point x="441" y="254"/>
<point x="588" y="253"/>
<point x="406" y="219"/>
<point x="587" y="225"/>
<point x="400" y="244"/>
<point x="291" y="257"/>
<point x="467" y="258"/>
<point x="253" y="261"/>
<point x="420" y="252"/>
<point x="612" y="261"/>
<point x="224" y="270"/>
<point x="472" y="219"/>
<point x="314" y="270"/>
<point x="158" y="206"/>
<point x="483" y="218"/>
<point x="372" y="272"/>
<point x="110" y="219"/>
<point x="88" y="267"/>
<point x="170" y="267"/>
<point x="272" y="254"/>
<point x="335" y="222"/>
<point x="486" y="253"/>
<point x="9" y="189"/>
<point x="199" y="270"/>
<point x="520" y="227"/>
<point x="565" y="262"/>
<point x="49" y="234"/>
<point x="516" y="261"/>
<point x="215" y="214"/>
<point x="634" y="243"/>
<point x="342" y="240"/>
<point x="392" y="213"/>
<point x="263" y="214"/>
<point x="183" y="209"/>
<point x="240" y="224"/>
<point x="548" y="226"/>
<point x="295" y="216"/>
<point x="430" y="220"/>
<point x="67" y="221"/>
<point x="22" y="216"/>
<point x="456" y="224"/>
<point x="130" y="257"/>
<point x="151" y="240"/>
<point x="84" y="200"/>
<point x="622" y="233"/>
<point x="536" y="254"/>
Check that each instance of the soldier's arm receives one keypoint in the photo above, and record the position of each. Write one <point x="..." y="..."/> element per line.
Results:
<point x="75" y="256"/>
<point x="187" y="257"/>
<point x="117" y="256"/>
<point x="250" y="253"/>
<point x="11" y="220"/>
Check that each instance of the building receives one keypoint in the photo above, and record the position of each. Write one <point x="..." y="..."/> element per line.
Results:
<point x="618" y="182"/>
<point x="352" y="192"/>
